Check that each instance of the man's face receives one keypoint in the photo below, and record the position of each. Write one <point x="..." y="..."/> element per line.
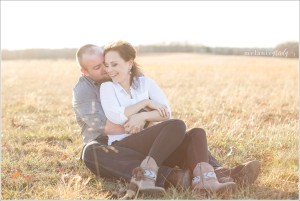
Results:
<point x="95" y="68"/>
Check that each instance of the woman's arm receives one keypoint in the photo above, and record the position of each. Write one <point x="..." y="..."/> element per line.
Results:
<point x="157" y="95"/>
<point x="110" y="104"/>
<point x="135" y="108"/>
<point x="153" y="116"/>
<point x="113" y="110"/>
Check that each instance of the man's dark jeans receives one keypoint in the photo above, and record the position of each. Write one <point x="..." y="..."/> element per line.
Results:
<point x="118" y="162"/>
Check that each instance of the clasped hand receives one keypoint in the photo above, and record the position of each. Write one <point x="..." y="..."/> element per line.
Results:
<point x="135" y="123"/>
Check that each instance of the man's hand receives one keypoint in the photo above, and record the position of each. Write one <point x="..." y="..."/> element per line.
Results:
<point x="111" y="128"/>
<point x="135" y="123"/>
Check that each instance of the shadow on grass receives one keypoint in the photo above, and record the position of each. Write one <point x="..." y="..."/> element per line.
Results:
<point x="254" y="192"/>
<point x="269" y="193"/>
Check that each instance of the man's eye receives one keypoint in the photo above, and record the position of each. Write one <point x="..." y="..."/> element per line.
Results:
<point x="114" y="65"/>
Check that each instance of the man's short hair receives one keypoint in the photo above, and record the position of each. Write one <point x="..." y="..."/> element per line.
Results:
<point x="87" y="49"/>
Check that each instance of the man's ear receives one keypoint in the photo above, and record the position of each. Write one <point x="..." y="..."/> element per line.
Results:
<point x="84" y="71"/>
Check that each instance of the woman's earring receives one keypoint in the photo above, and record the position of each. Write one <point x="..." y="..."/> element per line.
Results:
<point x="129" y="71"/>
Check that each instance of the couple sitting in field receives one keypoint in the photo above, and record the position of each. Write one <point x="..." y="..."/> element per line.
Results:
<point x="128" y="131"/>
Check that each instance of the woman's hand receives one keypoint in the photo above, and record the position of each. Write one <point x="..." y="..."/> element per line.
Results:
<point x="162" y="109"/>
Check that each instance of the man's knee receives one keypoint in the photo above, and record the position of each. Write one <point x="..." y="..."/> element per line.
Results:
<point x="96" y="158"/>
<point x="87" y="154"/>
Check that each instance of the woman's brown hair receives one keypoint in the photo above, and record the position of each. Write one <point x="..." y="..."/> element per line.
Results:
<point x="126" y="52"/>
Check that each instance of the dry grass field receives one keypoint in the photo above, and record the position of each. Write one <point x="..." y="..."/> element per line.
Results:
<point x="247" y="105"/>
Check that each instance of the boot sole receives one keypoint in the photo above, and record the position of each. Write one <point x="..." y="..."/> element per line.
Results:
<point x="153" y="192"/>
<point x="156" y="191"/>
<point x="227" y="189"/>
<point x="230" y="188"/>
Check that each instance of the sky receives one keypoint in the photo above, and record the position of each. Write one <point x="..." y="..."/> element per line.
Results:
<point x="71" y="24"/>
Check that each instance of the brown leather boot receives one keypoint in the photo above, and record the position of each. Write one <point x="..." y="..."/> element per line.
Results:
<point x="178" y="178"/>
<point x="205" y="179"/>
<point x="246" y="173"/>
<point x="143" y="180"/>
<point x="243" y="174"/>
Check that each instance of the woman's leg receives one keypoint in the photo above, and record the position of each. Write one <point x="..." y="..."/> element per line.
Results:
<point x="158" y="141"/>
<point x="193" y="150"/>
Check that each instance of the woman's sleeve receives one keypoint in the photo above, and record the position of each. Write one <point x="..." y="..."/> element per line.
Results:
<point x="156" y="94"/>
<point x="111" y="106"/>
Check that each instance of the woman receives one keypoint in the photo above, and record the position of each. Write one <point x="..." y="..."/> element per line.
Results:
<point x="128" y="94"/>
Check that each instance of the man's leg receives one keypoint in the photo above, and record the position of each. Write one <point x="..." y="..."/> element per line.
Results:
<point x="213" y="161"/>
<point x="109" y="161"/>
<point x="242" y="174"/>
<point x="117" y="162"/>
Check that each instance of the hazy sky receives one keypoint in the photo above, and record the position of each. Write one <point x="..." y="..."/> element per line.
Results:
<point x="56" y="24"/>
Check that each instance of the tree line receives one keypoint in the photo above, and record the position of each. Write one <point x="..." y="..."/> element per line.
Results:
<point x="286" y="50"/>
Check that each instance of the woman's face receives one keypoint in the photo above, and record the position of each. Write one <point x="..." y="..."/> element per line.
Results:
<point x="117" y="68"/>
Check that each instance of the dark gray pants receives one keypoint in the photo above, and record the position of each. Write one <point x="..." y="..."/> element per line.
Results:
<point x="118" y="161"/>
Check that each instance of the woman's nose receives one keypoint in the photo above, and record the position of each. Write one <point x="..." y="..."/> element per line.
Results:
<point x="108" y="69"/>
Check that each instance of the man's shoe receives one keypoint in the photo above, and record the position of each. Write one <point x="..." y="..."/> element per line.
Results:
<point x="225" y="179"/>
<point x="247" y="174"/>
<point x="178" y="178"/>
<point x="243" y="174"/>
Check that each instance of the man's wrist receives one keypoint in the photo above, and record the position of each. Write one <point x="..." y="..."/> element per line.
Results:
<point x="145" y="116"/>
<point x="145" y="103"/>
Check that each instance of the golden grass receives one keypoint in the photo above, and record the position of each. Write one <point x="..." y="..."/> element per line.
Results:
<point x="247" y="105"/>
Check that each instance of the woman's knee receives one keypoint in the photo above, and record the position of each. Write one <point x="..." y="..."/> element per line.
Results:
<point x="197" y="133"/>
<point x="178" y="128"/>
<point x="179" y="124"/>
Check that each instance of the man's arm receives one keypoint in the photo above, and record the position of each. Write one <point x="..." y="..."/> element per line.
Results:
<point x="87" y="108"/>
<point x="111" y="128"/>
<point x="89" y="112"/>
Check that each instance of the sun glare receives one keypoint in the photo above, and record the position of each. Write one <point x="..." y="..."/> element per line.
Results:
<point x="70" y="24"/>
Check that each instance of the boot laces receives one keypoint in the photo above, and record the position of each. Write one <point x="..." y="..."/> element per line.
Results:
<point x="141" y="174"/>
<point x="206" y="175"/>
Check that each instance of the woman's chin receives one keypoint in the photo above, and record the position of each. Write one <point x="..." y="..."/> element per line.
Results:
<point x="114" y="80"/>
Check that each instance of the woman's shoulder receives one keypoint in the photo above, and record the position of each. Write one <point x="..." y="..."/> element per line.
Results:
<point x="107" y="85"/>
<point x="144" y="79"/>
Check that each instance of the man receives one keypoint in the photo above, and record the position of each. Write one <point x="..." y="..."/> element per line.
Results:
<point x="118" y="162"/>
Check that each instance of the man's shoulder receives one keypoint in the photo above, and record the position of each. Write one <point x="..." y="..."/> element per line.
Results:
<point x="82" y="85"/>
<point x="84" y="89"/>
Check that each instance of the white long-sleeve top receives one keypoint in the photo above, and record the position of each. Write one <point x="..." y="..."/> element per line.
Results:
<point x="114" y="99"/>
